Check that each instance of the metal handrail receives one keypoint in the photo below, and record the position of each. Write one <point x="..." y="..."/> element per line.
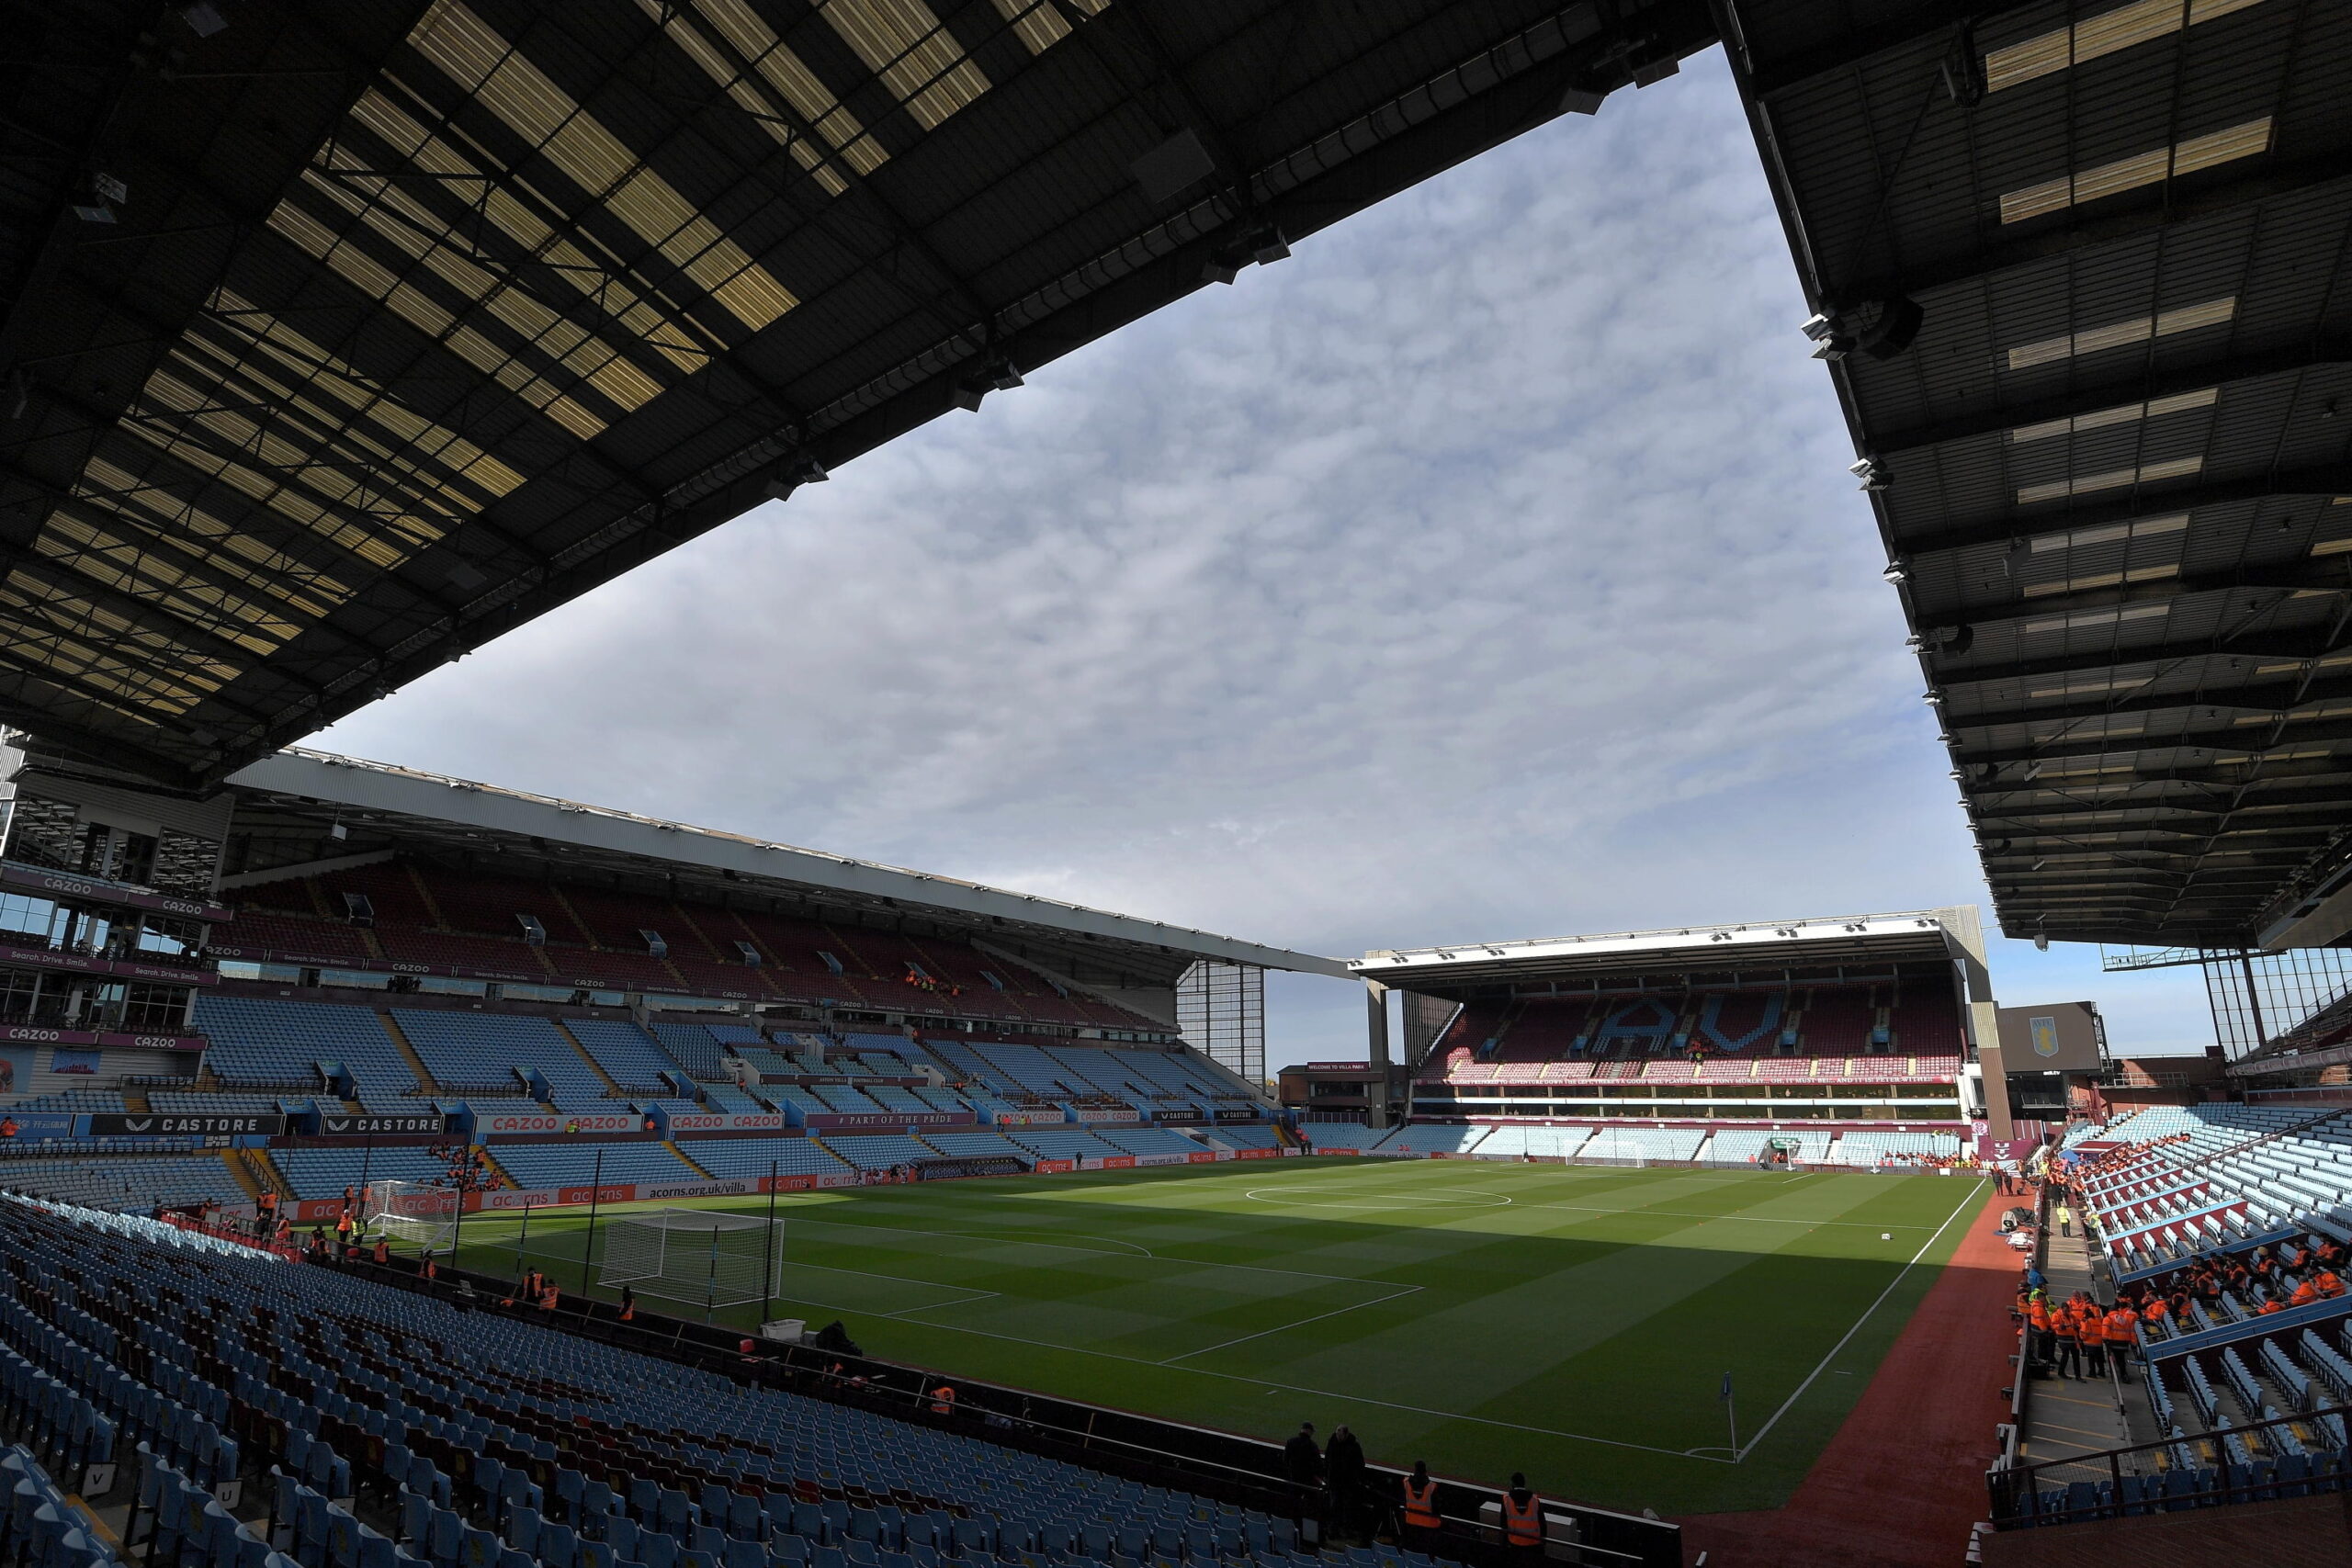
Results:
<point x="2011" y="1485"/>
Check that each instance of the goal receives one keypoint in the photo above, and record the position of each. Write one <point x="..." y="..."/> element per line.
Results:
<point x="702" y="1257"/>
<point x="411" y="1214"/>
<point x="1614" y="1148"/>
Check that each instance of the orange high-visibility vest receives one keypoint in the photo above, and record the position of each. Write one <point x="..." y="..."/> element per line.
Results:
<point x="548" y="1299"/>
<point x="2037" y="1315"/>
<point x="2121" y="1325"/>
<point x="1524" y="1526"/>
<point x="943" y="1400"/>
<point x="1420" y="1504"/>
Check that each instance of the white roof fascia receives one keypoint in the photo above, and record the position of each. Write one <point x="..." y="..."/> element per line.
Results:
<point x="1396" y="965"/>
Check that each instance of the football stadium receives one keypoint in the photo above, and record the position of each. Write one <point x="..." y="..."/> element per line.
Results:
<point x="401" y="1170"/>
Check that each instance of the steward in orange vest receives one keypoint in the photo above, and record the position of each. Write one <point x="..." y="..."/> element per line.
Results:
<point x="1523" y="1519"/>
<point x="943" y="1400"/>
<point x="1420" y="1505"/>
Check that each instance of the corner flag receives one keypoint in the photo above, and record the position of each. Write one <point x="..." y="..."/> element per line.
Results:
<point x="1727" y="1392"/>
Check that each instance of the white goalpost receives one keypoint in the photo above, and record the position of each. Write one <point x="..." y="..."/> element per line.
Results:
<point x="411" y="1214"/>
<point x="1612" y="1148"/>
<point x="700" y="1256"/>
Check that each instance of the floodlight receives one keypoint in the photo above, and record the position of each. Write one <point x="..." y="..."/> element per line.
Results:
<point x="1818" y="327"/>
<point x="1217" y="269"/>
<point x="792" y="473"/>
<point x="203" y="19"/>
<point x="1895" y="572"/>
<point x="1266" y="245"/>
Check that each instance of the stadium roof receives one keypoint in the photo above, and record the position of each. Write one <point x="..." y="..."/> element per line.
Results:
<point x="2085" y="267"/>
<point x="286" y="803"/>
<point x="1809" y="945"/>
<point x="337" y="339"/>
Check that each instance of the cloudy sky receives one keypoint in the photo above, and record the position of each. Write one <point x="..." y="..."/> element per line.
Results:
<point x="1489" y="569"/>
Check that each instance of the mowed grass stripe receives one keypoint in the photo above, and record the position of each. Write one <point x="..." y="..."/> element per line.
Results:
<point x="1596" y="1307"/>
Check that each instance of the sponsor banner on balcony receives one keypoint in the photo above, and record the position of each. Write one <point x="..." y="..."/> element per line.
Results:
<point x="41" y="1035"/>
<point x="1054" y="1166"/>
<point x="1172" y="1159"/>
<point x="152" y="1042"/>
<point x="736" y="1121"/>
<point x="1256" y="1153"/>
<point x="1099" y="1114"/>
<point x="95" y="890"/>
<point x="1106" y="1161"/>
<point x="884" y="1121"/>
<point x="157" y="1125"/>
<point x="603" y="1123"/>
<point x="35" y="1125"/>
<point x="1029" y="1118"/>
<point x="1332" y="1150"/>
<point x="336" y="1125"/>
<point x="1204" y="1157"/>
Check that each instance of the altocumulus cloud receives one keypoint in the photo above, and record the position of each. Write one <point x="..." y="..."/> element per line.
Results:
<point x="1486" y="569"/>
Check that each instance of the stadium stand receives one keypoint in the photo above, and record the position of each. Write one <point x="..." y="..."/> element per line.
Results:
<point x="1744" y="1146"/>
<point x="69" y="1101"/>
<point x="485" y="1050"/>
<point x="1242" y="1136"/>
<point x="38" y="1530"/>
<point x="581" y="1405"/>
<point x="1062" y="1143"/>
<point x="1871" y="1148"/>
<point x="1148" y="1140"/>
<point x="693" y="1047"/>
<point x="750" y="1157"/>
<point x="878" y="1153"/>
<point x="975" y="1145"/>
<point x="1425" y="1138"/>
<point x="258" y="1043"/>
<point x="324" y="1172"/>
<point x="123" y="1182"/>
<point x="2185" y="1179"/>
<point x="628" y="1056"/>
<point x="568" y="1164"/>
<point x="1540" y="1143"/>
<point x="1646" y="1142"/>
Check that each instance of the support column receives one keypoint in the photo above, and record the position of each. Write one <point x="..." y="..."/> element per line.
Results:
<point x="1375" y="1011"/>
<point x="1984" y="1026"/>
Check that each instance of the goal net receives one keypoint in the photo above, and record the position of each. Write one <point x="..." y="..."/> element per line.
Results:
<point x="703" y="1257"/>
<point x="1614" y="1148"/>
<point x="412" y="1215"/>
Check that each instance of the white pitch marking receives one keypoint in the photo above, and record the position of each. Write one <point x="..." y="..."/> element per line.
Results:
<point x="1064" y="1247"/>
<point x="1285" y="1327"/>
<point x="1750" y="1445"/>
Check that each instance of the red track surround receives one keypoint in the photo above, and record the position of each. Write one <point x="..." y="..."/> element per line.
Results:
<point x="1904" y="1479"/>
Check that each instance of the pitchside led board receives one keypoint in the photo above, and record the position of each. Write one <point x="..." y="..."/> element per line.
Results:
<point x="2052" y="1037"/>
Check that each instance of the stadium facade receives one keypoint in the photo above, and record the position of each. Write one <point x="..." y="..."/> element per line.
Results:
<point x="1864" y="1024"/>
<point x="329" y="974"/>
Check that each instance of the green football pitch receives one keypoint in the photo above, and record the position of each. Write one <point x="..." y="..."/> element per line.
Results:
<point x="1572" y="1322"/>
